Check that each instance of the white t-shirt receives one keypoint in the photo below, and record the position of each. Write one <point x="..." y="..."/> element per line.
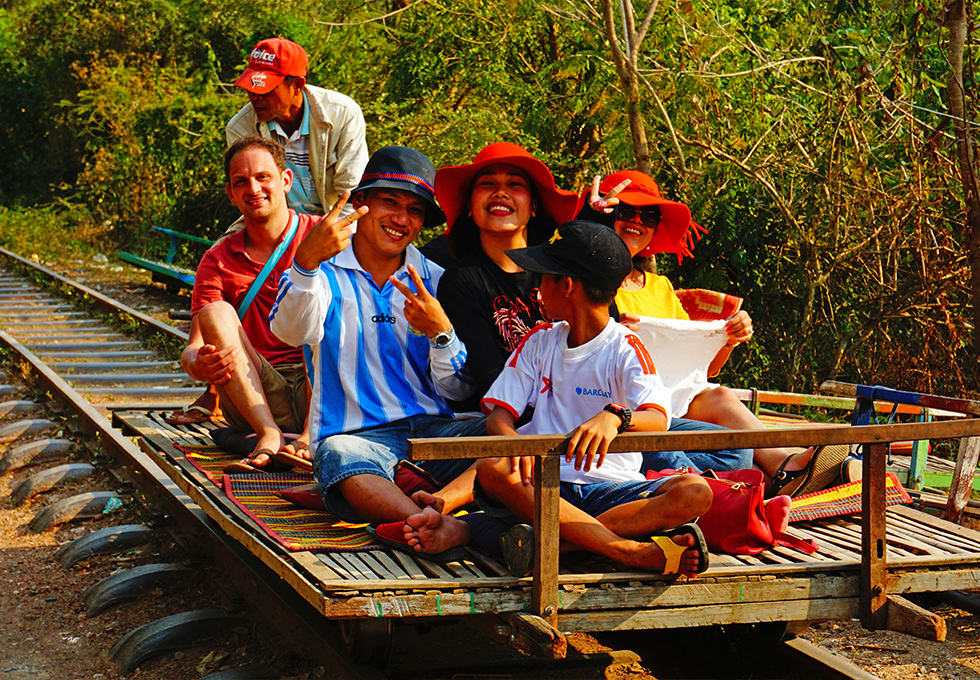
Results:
<point x="568" y="386"/>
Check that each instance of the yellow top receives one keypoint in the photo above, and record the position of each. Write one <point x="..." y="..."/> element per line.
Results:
<point x="656" y="299"/>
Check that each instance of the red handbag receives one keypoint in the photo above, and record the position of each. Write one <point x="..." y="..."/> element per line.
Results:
<point x="736" y="522"/>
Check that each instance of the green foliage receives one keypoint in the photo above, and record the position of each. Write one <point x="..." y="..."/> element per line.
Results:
<point x="815" y="146"/>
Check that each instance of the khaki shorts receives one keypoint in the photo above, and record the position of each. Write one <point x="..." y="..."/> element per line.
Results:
<point x="285" y="392"/>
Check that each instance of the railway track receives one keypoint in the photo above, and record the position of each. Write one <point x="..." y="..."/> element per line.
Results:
<point x="79" y="356"/>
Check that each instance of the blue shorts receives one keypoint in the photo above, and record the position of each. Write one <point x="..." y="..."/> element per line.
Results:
<point x="594" y="498"/>
<point x="377" y="450"/>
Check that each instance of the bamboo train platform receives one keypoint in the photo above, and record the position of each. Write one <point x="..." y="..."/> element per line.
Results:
<point x="863" y="565"/>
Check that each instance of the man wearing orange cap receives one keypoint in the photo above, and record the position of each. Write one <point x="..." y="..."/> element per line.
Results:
<point x="321" y="130"/>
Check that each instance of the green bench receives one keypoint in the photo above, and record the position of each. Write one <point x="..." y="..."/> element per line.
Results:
<point x="172" y="276"/>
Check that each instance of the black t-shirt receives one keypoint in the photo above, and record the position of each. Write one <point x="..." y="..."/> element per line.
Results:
<point x="491" y="311"/>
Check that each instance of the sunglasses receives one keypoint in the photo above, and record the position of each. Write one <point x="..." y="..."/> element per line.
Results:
<point x="649" y="217"/>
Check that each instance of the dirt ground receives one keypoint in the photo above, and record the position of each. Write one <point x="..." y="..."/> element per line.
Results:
<point x="46" y="635"/>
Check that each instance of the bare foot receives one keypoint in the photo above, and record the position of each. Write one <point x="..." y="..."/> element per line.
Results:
<point x="649" y="556"/>
<point x="428" y="531"/>
<point x="268" y="441"/>
<point x="798" y="461"/>
<point x="424" y="499"/>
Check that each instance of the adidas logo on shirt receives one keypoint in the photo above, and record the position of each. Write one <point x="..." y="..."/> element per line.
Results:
<point x="383" y="318"/>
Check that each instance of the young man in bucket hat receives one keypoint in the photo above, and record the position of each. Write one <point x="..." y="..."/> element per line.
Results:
<point x="385" y="356"/>
<point x="321" y="130"/>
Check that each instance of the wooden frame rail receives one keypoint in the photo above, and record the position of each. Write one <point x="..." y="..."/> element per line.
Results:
<point x="547" y="450"/>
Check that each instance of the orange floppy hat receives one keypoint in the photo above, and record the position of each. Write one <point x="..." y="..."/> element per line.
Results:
<point x="454" y="184"/>
<point x="676" y="232"/>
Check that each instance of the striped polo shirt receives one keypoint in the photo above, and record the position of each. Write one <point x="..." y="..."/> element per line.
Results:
<point x="370" y="367"/>
<point x="302" y="196"/>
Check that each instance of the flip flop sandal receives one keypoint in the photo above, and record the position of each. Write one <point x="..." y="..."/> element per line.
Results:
<point x="820" y="472"/>
<point x="245" y="465"/>
<point x="392" y="535"/>
<point x="295" y="461"/>
<point x="517" y="545"/>
<point x="673" y="552"/>
<point x="185" y="416"/>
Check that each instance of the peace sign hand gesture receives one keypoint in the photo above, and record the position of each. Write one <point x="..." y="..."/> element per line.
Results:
<point x="328" y="237"/>
<point x="608" y="202"/>
<point x="422" y="311"/>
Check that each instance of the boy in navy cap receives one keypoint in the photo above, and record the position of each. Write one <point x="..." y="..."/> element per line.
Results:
<point x="589" y="376"/>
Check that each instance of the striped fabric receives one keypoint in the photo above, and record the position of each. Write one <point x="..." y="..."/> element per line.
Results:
<point x="843" y="500"/>
<point x="210" y="460"/>
<point x="294" y="528"/>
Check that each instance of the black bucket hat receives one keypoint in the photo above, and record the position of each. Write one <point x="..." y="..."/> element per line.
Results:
<point x="405" y="169"/>
<point x="583" y="250"/>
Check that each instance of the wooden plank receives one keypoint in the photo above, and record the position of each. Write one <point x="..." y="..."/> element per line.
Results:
<point x="355" y="567"/>
<point x="544" y="594"/>
<point x="933" y="581"/>
<point x="907" y="617"/>
<point x="830" y="402"/>
<point x="935" y="522"/>
<point x="915" y="398"/>
<point x="962" y="483"/>
<point x="488" y="564"/>
<point x="541" y="445"/>
<point x="392" y="567"/>
<point x="338" y="566"/>
<point x="955" y="542"/>
<point x="874" y="589"/>
<point x="365" y="567"/>
<point x="407" y="563"/>
<point x="688" y="617"/>
<point x="435" y="570"/>
<point x="824" y="547"/>
<point x="318" y="569"/>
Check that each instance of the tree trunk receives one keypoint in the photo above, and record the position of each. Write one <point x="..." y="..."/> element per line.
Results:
<point x="957" y="18"/>
<point x="628" y="78"/>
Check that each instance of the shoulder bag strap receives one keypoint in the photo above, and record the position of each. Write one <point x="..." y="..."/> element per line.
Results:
<point x="267" y="269"/>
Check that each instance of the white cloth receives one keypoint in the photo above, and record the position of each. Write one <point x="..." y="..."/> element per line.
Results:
<point x="682" y="350"/>
<point x="569" y="385"/>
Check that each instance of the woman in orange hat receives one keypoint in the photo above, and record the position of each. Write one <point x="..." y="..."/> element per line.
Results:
<point x="648" y="223"/>
<point x="504" y="199"/>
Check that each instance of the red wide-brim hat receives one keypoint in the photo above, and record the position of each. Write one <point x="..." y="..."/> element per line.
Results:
<point x="454" y="184"/>
<point x="675" y="218"/>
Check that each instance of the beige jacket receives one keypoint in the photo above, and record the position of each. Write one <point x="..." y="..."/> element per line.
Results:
<point x="338" y="151"/>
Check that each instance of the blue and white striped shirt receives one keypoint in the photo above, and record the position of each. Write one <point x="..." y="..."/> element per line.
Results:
<point x="370" y="367"/>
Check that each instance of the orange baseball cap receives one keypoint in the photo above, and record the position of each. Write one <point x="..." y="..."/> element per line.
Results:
<point x="272" y="60"/>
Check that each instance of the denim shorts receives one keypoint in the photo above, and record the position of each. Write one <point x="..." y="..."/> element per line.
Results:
<point x="377" y="450"/>
<point x="594" y="498"/>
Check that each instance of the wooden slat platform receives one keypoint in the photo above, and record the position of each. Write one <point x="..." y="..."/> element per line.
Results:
<point x="782" y="584"/>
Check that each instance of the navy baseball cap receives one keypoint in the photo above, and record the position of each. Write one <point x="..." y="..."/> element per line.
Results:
<point x="580" y="249"/>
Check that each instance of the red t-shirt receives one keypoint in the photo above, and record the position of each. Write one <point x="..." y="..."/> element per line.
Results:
<point x="226" y="272"/>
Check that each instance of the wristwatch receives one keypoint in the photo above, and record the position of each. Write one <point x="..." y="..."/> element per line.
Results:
<point x="624" y="413"/>
<point x="440" y="340"/>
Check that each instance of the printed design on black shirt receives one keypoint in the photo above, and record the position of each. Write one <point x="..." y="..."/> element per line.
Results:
<point x="514" y="319"/>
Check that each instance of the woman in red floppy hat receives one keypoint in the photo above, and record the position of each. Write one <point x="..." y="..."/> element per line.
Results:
<point x="504" y="199"/>
<point x="649" y="224"/>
